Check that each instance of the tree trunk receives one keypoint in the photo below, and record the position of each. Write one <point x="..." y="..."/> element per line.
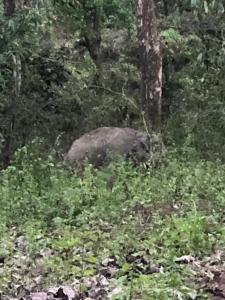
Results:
<point x="93" y="45"/>
<point x="150" y="62"/>
<point x="166" y="8"/>
<point x="92" y="35"/>
<point x="9" y="10"/>
<point x="9" y="7"/>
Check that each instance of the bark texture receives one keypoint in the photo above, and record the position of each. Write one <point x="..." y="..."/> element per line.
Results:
<point x="150" y="62"/>
<point x="92" y="36"/>
<point x="9" y="7"/>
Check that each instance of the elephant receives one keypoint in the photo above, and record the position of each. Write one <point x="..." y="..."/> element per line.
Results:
<point x="100" y="146"/>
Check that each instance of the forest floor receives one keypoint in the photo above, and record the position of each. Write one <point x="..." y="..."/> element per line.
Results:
<point x="155" y="234"/>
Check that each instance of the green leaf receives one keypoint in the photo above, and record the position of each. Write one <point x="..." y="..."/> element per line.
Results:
<point x="91" y="259"/>
<point x="126" y="267"/>
<point x="89" y="272"/>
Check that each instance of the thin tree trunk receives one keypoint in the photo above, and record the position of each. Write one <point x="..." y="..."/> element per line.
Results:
<point x="93" y="45"/>
<point x="9" y="9"/>
<point x="92" y="36"/>
<point x="166" y="8"/>
<point x="17" y="74"/>
<point x="150" y="62"/>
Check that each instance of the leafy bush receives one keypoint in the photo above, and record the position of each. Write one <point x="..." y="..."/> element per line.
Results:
<point x="114" y="213"/>
<point x="37" y="187"/>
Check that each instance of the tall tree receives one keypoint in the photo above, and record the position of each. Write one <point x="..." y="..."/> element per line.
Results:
<point x="9" y="10"/>
<point x="92" y="34"/>
<point x="150" y="62"/>
<point x="13" y="35"/>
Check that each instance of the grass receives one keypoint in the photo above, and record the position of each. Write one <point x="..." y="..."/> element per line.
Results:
<point x="133" y="223"/>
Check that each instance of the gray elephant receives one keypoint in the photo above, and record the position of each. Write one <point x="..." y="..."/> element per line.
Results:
<point x="101" y="145"/>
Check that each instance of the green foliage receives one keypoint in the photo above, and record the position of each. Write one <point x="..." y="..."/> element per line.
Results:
<point x="193" y="68"/>
<point x="60" y="97"/>
<point x="206" y="6"/>
<point x="39" y="188"/>
<point x="119" y="212"/>
<point x="116" y="14"/>
<point x="22" y="33"/>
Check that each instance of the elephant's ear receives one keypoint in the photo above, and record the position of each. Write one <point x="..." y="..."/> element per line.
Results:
<point x="145" y="141"/>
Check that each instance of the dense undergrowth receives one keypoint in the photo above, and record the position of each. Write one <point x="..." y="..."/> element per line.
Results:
<point x="133" y="224"/>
